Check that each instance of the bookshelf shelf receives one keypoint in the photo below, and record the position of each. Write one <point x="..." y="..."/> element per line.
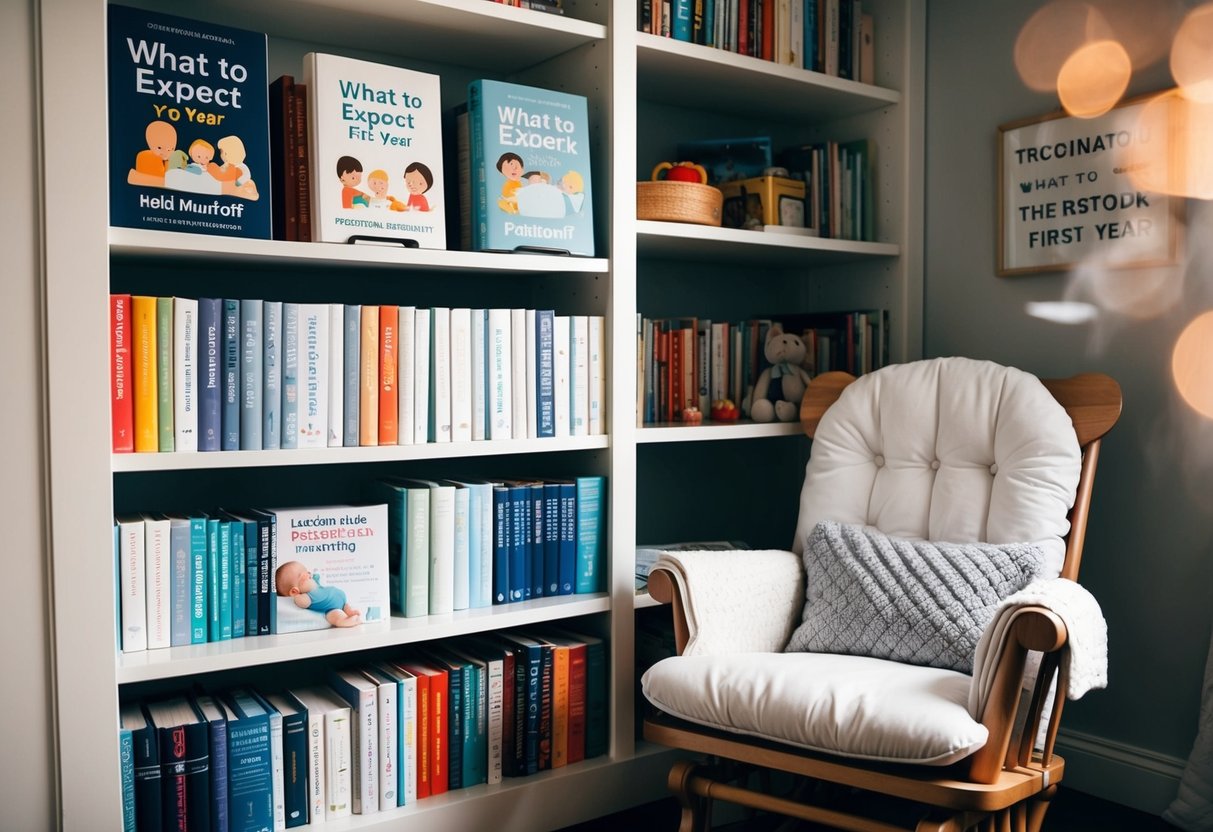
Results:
<point x="176" y="662"/>
<point x="690" y="75"/>
<point x="709" y="432"/>
<point x="325" y="456"/>
<point x="131" y="244"/>
<point x="687" y="241"/>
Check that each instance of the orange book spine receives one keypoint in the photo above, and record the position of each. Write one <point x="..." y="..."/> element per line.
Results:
<point x="576" y="703"/>
<point x="389" y="375"/>
<point x="368" y="403"/>
<point x="439" y="754"/>
<point x="560" y="706"/>
<point x="147" y="426"/>
<point x="122" y="411"/>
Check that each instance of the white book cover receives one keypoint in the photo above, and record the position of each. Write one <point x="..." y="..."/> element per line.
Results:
<point x="388" y="752"/>
<point x="442" y="548"/>
<point x="579" y="368"/>
<point x="315" y="765"/>
<point x="796" y="35"/>
<point x="158" y="577"/>
<point x="495" y="704"/>
<point x="440" y="374"/>
<point x="561" y="375"/>
<point x="421" y="377"/>
<point x="597" y="377"/>
<point x="417" y="555"/>
<point x="375" y="137"/>
<point x="518" y="364"/>
<point x="329" y="780"/>
<point x="405" y="365"/>
<point x="532" y="377"/>
<point x="277" y="773"/>
<point x="501" y="400"/>
<point x="480" y="410"/>
<point x="313" y="375"/>
<point x="336" y="385"/>
<point x="720" y="362"/>
<point x="363" y="698"/>
<point x="185" y="374"/>
<point x="408" y="753"/>
<point x="461" y="375"/>
<point x="132" y="566"/>
<point x="332" y="567"/>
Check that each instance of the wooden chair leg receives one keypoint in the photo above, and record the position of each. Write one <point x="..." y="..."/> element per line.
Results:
<point x="696" y="811"/>
<point x="1037" y="807"/>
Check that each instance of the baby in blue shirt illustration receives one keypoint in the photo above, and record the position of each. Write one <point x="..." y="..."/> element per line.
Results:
<point x="294" y="580"/>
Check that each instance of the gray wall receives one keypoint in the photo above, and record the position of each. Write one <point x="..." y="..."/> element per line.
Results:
<point x="26" y="768"/>
<point x="1150" y="538"/>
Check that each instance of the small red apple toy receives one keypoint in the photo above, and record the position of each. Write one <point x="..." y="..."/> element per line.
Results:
<point x="680" y="172"/>
<point x="723" y="410"/>
<point x="692" y="416"/>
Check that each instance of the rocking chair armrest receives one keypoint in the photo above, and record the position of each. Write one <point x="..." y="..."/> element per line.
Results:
<point x="731" y="601"/>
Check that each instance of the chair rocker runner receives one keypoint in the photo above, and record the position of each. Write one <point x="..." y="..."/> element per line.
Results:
<point x="946" y="449"/>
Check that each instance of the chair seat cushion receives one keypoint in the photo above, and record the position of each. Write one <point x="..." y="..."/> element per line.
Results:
<point x="853" y="706"/>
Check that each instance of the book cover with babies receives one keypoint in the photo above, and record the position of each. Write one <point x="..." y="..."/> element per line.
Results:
<point x="188" y="125"/>
<point x="530" y="169"/>
<point x="376" y="146"/>
<point x="331" y="567"/>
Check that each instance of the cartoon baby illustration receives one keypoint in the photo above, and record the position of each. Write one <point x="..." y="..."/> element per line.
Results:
<point x="201" y="154"/>
<point x="572" y="185"/>
<point x="151" y="164"/>
<point x="233" y="169"/>
<point x="349" y="171"/>
<point x="377" y="181"/>
<point x="510" y="165"/>
<point x="418" y="179"/>
<point x="537" y="177"/>
<point x="294" y="580"/>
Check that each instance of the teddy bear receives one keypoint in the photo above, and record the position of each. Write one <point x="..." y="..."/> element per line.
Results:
<point x="781" y="386"/>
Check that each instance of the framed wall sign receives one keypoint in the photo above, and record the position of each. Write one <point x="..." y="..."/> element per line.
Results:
<point x="1066" y="194"/>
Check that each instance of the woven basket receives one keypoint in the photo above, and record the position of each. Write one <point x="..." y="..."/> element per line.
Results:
<point x="678" y="202"/>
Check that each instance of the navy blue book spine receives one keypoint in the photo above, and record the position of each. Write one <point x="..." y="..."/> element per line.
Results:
<point x="502" y="544"/>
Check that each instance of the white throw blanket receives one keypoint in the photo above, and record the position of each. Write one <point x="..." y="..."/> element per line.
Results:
<point x="1086" y="651"/>
<point x="737" y="601"/>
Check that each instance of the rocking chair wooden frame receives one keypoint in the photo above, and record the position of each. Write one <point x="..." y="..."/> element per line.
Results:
<point x="1004" y="786"/>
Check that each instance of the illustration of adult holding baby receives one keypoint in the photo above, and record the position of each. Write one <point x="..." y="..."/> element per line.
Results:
<point x="162" y="165"/>
<point x="294" y="580"/>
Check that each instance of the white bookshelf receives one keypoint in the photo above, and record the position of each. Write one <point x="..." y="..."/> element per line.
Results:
<point x="594" y="50"/>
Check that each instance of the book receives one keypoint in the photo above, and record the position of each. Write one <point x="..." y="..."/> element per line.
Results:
<point x="213" y="713"/>
<point x="503" y="538"/>
<point x="329" y="770"/>
<point x="498" y="368"/>
<point x="185" y="374"/>
<point x="252" y="366"/>
<point x="579" y="375"/>
<point x="184" y="738"/>
<point x="389" y="379"/>
<point x="271" y="375"/>
<point x="180" y="581"/>
<point x="480" y="380"/>
<point x="551" y="538"/>
<point x="290" y="376"/>
<point x="530" y="169"/>
<point x="122" y="413"/>
<point x="250" y="767"/>
<point x="531" y="369"/>
<point x="362" y="696"/>
<point x="295" y="757"/>
<point x="406" y="321"/>
<point x="591" y="509"/>
<point x="146" y="401"/>
<point x="368" y="374"/>
<point x="313" y="375"/>
<point x="188" y="125"/>
<point x="375" y="139"/>
<point x="499" y="669"/>
<point x="441" y="538"/>
<point x="440" y="375"/>
<point x="459" y="684"/>
<point x="331" y="566"/>
<point x="408" y="506"/>
<point x="351" y="357"/>
<point x="518" y="373"/>
<point x="210" y="373"/>
<point x="523" y="759"/>
<point x="126" y="768"/>
<point x="479" y="542"/>
<point x="284" y="208"/>
<point x="461" y="374"/>
<point x="406" y="729"/>
<point x="421" y="376"/>
<point x="596" y="379"/>
<point x="475" y="715"/>
<point x="545" y="373"/>
<point x="461" y="566"/>
<point x="387" y="751"/>
<point x="561" y="379"/>
<point x="277" y="764"/>
<point x="145" y="765"/>
<point x="158" y="577"/>
<point x="431" y="732"/>
<point x="199" y="605"/>
<point x="230" y="395"/>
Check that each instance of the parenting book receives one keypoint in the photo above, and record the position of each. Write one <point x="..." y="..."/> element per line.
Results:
<point x="376" y="149"/>
<point x="332" y="567"/>
<point x="188" y="126"/>
<point x="529" y="169"/>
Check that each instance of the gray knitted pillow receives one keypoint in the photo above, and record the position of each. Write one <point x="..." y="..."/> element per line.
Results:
<point x="911" y="601"/>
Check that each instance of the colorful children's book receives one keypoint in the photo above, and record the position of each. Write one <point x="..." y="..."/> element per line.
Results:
<point x="376" y="149"/>
<point x="530" y="169"/>
<point x="188" y="126"/>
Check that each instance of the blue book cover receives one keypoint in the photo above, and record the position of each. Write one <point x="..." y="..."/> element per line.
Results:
<point x="396" y="497"/>
<point x="590" y="513"/>
<point x="212" y="579"/>
<point x="536" y="577"/>
<point x="476" y="555"/>
<point x="545" y="373"/>
<point x="531" y="170"/>
<point x="681" y="26"/>
<point x="188" y="125"/>
<point x="230" y="398"/>
<point x="463" y="518"/>
<point x="198" y="581"/>
<point x="216" y="719"/>
<point x="146" y="764"/>
<point x="290" y="376"/>
<point x="568" y="538"/>
<point x="551" y="538"/>
<point x="271" y="375"/>
<point x="252" y="565"/>
<point x="351" y="345"/>
<point x="225" y="580"/>
<point x="180" y="569"/>
<point x="294" y="757"/>
<point x="210" y="327"/>
<point x="503" y="537"/>
<point x="709" y="23"/>
<point x="252" y="364"/>
<point x="528" y="664"/>
<point x="811" y="58"/>
<point x="126" y="762"/>
<point x="239" y="592"/>
<point x="520" y="542"/>
<point x="249" y="765"/>
<point x="267" y="605"/>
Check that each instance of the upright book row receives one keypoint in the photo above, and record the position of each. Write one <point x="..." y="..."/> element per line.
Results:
<point x="366" y="738"/>
<point x="423" y="547"/>
<point x="830" y="36"/>
<point x="354" y="153"/>
<point x="216" y="374"/>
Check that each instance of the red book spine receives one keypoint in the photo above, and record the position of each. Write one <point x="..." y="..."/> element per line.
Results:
<point x="507" y="714"/>
<point x="743" y="27"/>
<point x="576" y="703"/>
<point x="122" y="412"/>
<point x="768" y="30"/>
<point x="439" y="734"/>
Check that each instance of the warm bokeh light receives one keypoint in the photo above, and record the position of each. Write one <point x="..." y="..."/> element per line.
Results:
<point x="1192" y="55"/>
<point x="1192" y="364"/>
<point x="1144" y="29"/>
<point x="1094" y="78"/>
<point x="1133" y="293"/>
<point x="1051" y="35"/>
<point x="1177" y="160"/>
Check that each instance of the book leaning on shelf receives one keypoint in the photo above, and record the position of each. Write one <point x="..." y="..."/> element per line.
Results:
<point x="188" y="125"/>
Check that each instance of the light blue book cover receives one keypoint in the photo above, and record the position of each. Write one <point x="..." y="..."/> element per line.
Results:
<point x="531" y="170"/>
<point x="463" y="519"/>
<point x="290" y="376"/>
<point x="250" y="772"/>
<point x="179" y="581"/>
<point x="230" y="398"/>
<point x="239" y="575"/>
<point x="252" y="363"/>
<point x="225" y="580"/>
<point x="475" y="552"/>
<point x="590" y="513"/>
<point x="126" y="762"/>
<point x="545" y="372"/>
<point x="212" y="579"/>
<point x="351" y="346"/>
<point x="271" y="376"/>
<point x="198" y="576"/>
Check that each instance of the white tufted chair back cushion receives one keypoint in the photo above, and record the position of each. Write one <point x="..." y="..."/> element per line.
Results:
<point x="946" y="449"/>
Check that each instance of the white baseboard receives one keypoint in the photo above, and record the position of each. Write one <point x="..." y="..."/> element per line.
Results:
<point x="1122" y="773"/>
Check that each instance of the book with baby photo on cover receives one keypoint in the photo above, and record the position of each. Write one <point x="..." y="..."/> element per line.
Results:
<point x="375" y="135"/>
<point x="331" y="567"/>
<point x="188" y="126"/>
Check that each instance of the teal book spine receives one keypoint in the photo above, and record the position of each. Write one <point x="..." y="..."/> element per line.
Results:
<point x="252" y="364"/>
<point x="271" y="376"/>
<point x="225" y="580"/>
<point x="590" y="512"/>
<point x="239" y="592"/>
<point x="230" y="394"/>
<point x="250" y="775"/>
<point x="198" y="580"/>
<point x="126" y="762"/>
<point x="290" y="376"/>
<point x="396" y="499"/>
<point x="164" y="374"/>
<point x="252" y="558"/>
<point x="212" y="579"/>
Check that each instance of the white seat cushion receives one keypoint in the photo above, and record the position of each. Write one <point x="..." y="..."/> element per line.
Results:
<point x="853" y="706"/>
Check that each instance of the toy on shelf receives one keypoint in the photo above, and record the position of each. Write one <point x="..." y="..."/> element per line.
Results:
<point x="781" y="386"/>
<point x="679" y="193"/>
